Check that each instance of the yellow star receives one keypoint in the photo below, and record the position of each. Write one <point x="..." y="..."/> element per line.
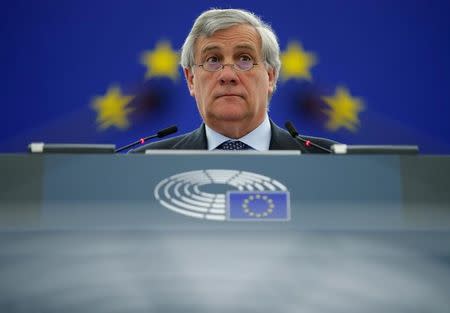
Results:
<point x="296" y="62"/>
<point x="343" y="111"/>
<point x="111" y="109"/>
<point x="161" y="62"/>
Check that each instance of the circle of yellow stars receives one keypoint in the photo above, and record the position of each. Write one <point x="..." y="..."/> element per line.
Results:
<point x="296" y="63"/>
<point x="251" y="198"/>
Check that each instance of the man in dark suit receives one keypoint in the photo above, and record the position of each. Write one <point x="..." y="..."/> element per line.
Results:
<point x="231" y="64"/>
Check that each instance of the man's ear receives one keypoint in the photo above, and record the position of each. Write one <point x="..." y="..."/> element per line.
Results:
<point x="271" y="74"/>
<point x="189" y="75"/>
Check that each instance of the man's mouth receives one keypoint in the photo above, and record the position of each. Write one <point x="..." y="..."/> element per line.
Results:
<point x="229" y="95"/>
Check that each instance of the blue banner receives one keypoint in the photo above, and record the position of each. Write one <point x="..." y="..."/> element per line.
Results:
<point x="97" y="71"/>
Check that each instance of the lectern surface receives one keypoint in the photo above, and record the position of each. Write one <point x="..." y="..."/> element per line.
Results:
<point x="97" y="233"/>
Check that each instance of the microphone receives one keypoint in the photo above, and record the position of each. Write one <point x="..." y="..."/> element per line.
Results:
<point x="162" y="133"/>
<point x="294" y="133"/>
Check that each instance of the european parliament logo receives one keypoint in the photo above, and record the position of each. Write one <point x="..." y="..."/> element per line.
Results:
<point x="243" y="196"/>
<point x="251" y="206"/>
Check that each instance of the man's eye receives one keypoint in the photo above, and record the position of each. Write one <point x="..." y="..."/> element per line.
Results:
<point x="245" y="58"/>
<point x="212" y="60"/>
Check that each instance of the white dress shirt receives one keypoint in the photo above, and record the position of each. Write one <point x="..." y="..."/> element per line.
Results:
<point x="258" y="139"/>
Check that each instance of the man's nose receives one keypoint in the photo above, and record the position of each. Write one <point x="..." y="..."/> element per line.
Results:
<point x="228" y="75"/>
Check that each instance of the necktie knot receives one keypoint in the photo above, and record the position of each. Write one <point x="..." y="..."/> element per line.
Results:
<point x="233" y="145"/>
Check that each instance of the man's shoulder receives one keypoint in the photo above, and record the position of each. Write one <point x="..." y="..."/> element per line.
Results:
<point x="322" y="142"/>
<point x="326" y="142"/>
<point x="282" y="140"/>
<point x="162" y="144"/>
<point x="195" y="140"/>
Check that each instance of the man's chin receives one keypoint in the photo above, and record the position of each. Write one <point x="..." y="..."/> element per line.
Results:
<point x="237" y="117"/>
<point x="229" y="118"/>
<point x="230" y="111"/>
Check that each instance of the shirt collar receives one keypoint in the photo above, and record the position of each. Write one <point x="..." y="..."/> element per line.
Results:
<point x="258" y="139"/>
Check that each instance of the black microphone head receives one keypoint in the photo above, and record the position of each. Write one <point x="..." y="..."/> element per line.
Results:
<point x="167" y="131"/>
<point x="291" y="129"/>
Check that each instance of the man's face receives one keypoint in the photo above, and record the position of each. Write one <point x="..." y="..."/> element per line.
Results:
<point x="230" y="101"/>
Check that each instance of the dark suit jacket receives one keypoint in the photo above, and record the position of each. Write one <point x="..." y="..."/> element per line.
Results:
<point x="196" y="140"/>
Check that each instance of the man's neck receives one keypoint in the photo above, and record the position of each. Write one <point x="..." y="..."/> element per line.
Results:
<point x="235" y="130"/>
<point x="258" y="138"/>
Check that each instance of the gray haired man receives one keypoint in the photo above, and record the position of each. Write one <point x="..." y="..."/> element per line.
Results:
<point x="231" y="64"/>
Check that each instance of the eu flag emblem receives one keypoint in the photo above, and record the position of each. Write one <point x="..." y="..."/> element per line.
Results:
<point x="258" y="205"/>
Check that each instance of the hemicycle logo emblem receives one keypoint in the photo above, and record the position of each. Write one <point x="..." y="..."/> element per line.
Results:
<point x="241" y="195"/>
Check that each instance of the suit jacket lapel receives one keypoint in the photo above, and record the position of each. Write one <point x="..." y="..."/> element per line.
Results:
<point x="282" y="140"/>
<point x="195" y="140"/>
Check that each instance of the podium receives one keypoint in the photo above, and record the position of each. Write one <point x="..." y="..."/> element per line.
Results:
<point x="154" y="233"/>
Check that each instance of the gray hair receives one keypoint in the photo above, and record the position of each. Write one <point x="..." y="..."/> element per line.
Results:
<point x="214" y="20"/>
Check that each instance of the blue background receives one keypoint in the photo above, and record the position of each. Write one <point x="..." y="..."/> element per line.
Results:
<point x="56" y="56"/>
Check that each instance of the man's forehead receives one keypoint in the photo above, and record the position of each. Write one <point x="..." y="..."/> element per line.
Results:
<point x="239" y="46"/>
<point x="237" y="37"/>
